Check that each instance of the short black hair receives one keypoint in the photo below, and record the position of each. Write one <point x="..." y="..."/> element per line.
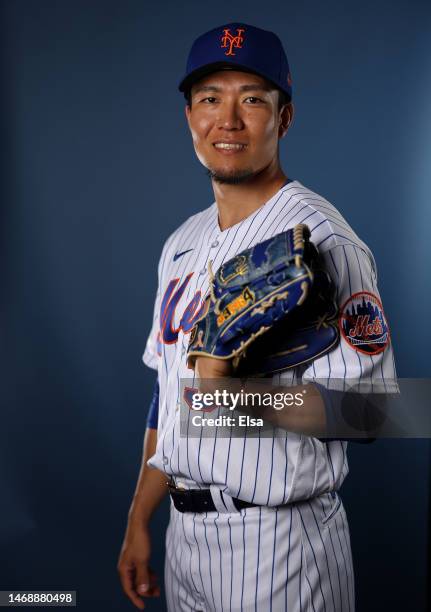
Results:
<point x="283" y="98"/>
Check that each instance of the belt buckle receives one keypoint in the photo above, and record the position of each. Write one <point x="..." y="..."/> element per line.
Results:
<point x="181" y="502"/>
<point x="171" y="484"/>
<point x="173" y="487"/>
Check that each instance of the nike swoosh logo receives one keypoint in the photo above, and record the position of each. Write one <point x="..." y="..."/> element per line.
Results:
<point x="178" y="255"/>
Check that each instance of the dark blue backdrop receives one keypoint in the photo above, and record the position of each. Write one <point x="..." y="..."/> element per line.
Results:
<point x="97" y="170"/>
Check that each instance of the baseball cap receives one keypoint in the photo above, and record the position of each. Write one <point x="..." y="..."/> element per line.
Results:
<point x="238" y="46"/>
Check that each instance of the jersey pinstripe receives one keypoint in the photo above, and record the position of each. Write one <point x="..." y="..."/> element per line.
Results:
<point x="305" y="466"/>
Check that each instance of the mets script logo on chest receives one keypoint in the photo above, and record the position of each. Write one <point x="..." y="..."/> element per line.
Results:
<point x="168" y="333"/>
<point x="230" y="41"/>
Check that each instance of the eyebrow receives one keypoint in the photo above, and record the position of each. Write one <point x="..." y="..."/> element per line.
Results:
<point x="250" y="87"/>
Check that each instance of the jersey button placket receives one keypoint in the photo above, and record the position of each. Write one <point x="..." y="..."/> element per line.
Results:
<point x="213" y="245"/>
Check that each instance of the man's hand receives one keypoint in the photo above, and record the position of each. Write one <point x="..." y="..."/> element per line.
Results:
<point x="208" y="367"/>
<point x="137" y="578"/>
<point x="307" y="418"/>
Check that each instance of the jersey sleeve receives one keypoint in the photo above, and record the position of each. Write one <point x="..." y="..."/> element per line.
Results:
<point x="151" y="354"/>
<point x="153" y="410"/>
<point x="363" y="360"/>
<point x="364" y="355"/>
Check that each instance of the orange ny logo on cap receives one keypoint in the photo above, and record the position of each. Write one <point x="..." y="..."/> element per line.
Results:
<point x="228" y="40"/>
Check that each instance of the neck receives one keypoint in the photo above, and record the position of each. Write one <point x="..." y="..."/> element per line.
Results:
<point x="236" y="202"/>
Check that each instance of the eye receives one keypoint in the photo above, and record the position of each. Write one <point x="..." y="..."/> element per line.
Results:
<point x="209" y="100"/>
<point x="254" y="99"/>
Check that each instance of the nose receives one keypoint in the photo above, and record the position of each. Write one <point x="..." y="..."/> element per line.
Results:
<point x="229" y="116"/>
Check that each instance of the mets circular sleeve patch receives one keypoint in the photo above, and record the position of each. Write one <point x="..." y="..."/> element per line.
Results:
<point x="363" y="323"/>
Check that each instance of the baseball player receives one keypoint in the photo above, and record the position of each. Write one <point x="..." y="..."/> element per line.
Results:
<point x="260" y="525"/>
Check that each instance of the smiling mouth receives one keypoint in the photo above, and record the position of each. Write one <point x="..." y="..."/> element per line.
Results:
<point x="229" y="146"/>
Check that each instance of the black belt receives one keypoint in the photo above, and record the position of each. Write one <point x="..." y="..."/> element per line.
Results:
<point x="199" y="500"/>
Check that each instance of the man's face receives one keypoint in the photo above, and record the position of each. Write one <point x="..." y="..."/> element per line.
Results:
<point x="235" y="124"/>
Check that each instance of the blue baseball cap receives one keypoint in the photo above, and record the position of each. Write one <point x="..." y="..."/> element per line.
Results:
<point x="238" y="46"/>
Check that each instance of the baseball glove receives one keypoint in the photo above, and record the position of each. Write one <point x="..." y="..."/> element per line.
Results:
<point x="269" y="308"/>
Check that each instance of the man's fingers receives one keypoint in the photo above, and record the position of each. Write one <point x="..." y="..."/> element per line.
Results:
<point x="146" y="582"/>
<point x="142" y="579"/>
<point x="154" y="586"/>
<point x="127" y="579"/>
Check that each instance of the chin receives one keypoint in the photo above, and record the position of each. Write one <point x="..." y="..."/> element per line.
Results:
<point x="234" y="176"/>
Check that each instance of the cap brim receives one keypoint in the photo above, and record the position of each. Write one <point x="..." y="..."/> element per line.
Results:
<point x="199" y="73"/>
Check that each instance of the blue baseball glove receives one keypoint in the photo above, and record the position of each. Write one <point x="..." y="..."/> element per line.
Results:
<point x="269" y="308"/>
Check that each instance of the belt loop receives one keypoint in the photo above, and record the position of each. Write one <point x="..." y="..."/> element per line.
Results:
<point x="223" y="503"/>
<point x="229" y="502"/>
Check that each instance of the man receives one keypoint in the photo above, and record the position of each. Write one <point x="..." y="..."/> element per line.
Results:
<point x="268" y="530"/>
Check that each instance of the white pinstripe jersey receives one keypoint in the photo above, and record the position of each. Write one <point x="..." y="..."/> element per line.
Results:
<point x="266" y="471"/>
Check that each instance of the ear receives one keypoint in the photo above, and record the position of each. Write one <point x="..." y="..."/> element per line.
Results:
<point x="187" y="110"/>
<point x="286" y="118"/>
